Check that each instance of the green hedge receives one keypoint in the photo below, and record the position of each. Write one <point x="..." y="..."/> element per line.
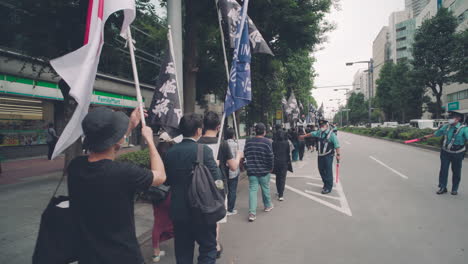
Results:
<point x="140" y="158"/>
<point x="398" y="133"/>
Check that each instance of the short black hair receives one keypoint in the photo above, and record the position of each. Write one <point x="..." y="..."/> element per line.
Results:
<point x="260" y="129"/>
<point x="211" y="120"/>
<point x="230" y="133"/>
<point x="190" y="123"/>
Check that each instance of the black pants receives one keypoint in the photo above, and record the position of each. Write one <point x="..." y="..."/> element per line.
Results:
<point x="185" y="236"/>
<point x="301" y="149"/>
<point x="325" y="166"/>
<point x="232" y="193"/>
<point x="281" y="171"/>
<point x="51" y="148"/>
<point x="456" y="161"/>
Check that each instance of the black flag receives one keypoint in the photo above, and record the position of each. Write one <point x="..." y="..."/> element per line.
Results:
<point x="231" y="14"/>
<point x="165" y="108"/>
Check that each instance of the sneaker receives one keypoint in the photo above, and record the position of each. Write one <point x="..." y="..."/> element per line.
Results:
<point x="252" y="217"/>
<point x="158" y="258"/>
<point x="268" y="209"/>
<point x="281" y="199"/>
<point x="234" y="212"/>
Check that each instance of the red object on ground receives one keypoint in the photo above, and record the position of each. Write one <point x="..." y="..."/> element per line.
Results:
<point x="337" y="171"/>
<point x="412" y="141"/>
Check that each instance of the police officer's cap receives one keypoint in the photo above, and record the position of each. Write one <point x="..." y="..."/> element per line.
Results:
<point x="323" y="122"/>
<point x="456" y="114"/>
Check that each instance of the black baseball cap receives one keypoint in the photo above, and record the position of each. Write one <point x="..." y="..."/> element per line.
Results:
<point x="103" y="128"/>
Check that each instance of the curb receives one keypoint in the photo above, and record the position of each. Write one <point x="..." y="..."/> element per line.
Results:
<point x="427" y="147"/>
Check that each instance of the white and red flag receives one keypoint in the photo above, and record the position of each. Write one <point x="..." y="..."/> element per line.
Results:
<point x="78" y="68"/>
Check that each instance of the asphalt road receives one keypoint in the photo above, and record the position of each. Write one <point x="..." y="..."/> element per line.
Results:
<point x="384" y="210"/>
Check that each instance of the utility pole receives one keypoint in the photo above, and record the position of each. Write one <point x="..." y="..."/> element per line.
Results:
<point x="174" y="17"/>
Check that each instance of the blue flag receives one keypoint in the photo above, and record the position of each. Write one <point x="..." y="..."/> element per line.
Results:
<point x="239" y="91"/>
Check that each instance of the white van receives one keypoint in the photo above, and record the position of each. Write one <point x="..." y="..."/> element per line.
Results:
<point x="426" y="123"/>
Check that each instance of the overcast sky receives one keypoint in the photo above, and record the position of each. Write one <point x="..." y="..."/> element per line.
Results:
<point x="358" y="23"/>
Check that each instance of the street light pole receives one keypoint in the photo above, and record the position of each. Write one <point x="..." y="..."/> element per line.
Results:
<point x="370" y="77"/>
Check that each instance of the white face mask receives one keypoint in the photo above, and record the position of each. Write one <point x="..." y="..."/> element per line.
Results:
<point x="451" y="121"/>
<point x="323" y="129"/>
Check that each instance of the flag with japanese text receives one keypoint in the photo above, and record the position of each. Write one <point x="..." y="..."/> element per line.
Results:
<point x="239" y="91"/>
<point x="78" y="68"/>
<point x="231" y="14"/>
<point x="165" y="111"/>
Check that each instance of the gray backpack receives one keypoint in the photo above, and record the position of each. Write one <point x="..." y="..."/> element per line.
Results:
<point x="205" y="199"/>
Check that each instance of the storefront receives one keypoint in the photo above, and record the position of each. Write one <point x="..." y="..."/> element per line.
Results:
<point x="28" y="106"/>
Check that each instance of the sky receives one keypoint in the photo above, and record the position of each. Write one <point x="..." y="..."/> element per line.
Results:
<point x="358" y="23"/>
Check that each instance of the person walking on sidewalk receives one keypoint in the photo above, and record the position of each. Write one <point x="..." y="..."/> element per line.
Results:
<point x="102" y="190"/>
<point x="259" y="157"/>
<point x="282" y="156"/>
<point x="180" y="160"/>
<point x="226" y="160"/>
<point x="327" y="144"/>
<point x="163" y="229"/>
<point x="452" y="152"/>
<point x="51" y="140"/>
<point x="233" y="177"/>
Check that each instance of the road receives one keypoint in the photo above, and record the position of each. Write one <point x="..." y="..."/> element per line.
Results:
<point x="384" y="210"/>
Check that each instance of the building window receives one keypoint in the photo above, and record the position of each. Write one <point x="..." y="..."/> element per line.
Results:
<point x="461" y="95"/>
<point x="400" y="29"/>
<point x="401" y="39"/>
<point x="401" y="49"/>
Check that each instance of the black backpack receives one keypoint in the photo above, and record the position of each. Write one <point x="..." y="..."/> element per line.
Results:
<point x="205" y="199"/>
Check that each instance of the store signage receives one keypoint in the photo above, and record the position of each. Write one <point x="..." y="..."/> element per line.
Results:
<point x="453" y="106"/>
<point x="45" y="90"/>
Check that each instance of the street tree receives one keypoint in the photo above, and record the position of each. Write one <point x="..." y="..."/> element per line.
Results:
<point x="433" y="51"/>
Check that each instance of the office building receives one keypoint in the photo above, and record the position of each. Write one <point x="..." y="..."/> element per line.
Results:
<point x="416" y="6"/>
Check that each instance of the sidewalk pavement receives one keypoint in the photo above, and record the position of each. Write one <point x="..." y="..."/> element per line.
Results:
<point x="15" y="171"/>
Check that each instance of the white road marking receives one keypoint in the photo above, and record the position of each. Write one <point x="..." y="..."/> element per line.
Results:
<point x="323" y="195"/>
<point x="390" y="168"/>
<point x="347" y="142"/>
<point x="315" y="184"/>
<point x="301" y="176"/>
<point x="343" y="208"/>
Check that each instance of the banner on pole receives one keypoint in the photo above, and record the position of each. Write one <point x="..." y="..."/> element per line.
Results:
<point x="78" y="68"/>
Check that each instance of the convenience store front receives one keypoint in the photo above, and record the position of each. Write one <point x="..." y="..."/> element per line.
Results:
<point x="28" y="106"/>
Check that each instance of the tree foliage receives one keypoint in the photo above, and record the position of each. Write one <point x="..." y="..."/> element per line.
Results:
<point x="434" y="53"/>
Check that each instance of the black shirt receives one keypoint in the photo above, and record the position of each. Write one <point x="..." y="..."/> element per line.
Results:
<point x="102" y="202"/>
<point x="224" y="153"/>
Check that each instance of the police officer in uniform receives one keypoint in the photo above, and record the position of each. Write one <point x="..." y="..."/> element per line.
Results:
<point x="455" y="135"/>
<point x="328" y="144"/>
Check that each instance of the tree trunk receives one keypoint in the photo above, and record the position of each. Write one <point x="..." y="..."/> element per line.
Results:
<point x="76" y="149"/>
<point x="191" y="56"/>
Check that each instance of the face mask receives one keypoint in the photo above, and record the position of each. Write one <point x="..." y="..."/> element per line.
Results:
<point x="451" y="121"/>
<point x="323" y="129"/>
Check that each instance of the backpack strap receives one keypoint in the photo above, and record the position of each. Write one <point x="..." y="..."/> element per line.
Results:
<point x="200" y="157"/>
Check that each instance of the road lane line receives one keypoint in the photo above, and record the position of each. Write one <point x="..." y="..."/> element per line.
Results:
<point x="323" y="195"/>
<point x="347" y="142"/>
<point x="344" y="203"/>
<point x="390" y="168"/>
<point x="315" y="184"/>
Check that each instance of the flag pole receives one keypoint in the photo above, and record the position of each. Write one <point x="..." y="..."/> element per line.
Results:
<point x="135" y="75"/>
<point x="171" y="49"/>
<point x="223" y="44"/>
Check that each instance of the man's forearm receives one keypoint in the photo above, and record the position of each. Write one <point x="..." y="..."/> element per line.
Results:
<point x="156" y="163"/>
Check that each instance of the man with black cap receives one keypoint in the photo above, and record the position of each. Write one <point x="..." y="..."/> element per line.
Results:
<point x="328" y="144"/>
<point x="102" y="190"/>
<point x="453" y="150"/>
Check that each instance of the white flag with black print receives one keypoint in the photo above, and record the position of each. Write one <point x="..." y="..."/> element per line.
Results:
<point x="230" y="12"/>
<point x="165" y="110"/>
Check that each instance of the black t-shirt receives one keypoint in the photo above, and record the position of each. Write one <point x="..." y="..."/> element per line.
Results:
<point x="224" y="153"/>
<point x="102" y="202"/>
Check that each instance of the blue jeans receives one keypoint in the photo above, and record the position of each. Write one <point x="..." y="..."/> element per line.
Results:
<point x="264" y="183"/>
<point x="232" y="193"/>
